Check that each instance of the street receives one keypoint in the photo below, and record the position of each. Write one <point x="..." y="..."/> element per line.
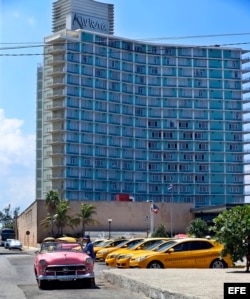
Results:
<point x="17" y="281"/>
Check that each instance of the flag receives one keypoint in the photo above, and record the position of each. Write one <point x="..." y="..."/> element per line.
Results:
<point x="170" y="187"/>
<point x="154" y="208"/>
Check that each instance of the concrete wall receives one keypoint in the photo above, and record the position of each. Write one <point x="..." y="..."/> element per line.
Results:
<point x="126" y="217"/>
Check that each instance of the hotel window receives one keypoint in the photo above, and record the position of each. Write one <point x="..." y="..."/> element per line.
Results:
<point x="139" y="69"/>
<point x="237" y="136"/>
<point x="187" y="135"/>
<point x="184" y="188"/>
<point x="199" y="178"/>
<point x="156" y="177"/>
<point x="238" y="178"/>
<point x="234" y="147"/>
<point x="183" y="124"/>
<point x="142" y="187"/>
<point x="203" y="125"/>
<point x="99" y="163"/>
<point x="126" y="165"/>
<point x="188" y="157"/>
<point x="203" y="146"/>
<point x="187" y="178"/>
<point x="199" y="135"/>
<point x="237" y="115"/>
<point x="199" y="113"/>
<point x="184" y="145"/>
<point x="142" y="165"/>
<point x="184" y="167"/>
<point x="204" y="188"/>
<point x="152" y="144"/>
<point x="202" y="104"/>
<point x="172" y="167"/>
<point x="156" y="156"/>
<point x="234" y="189"/>
<point x="168" y="135"/>
<point x="203" y="167"/>
<point x="167" y="157"/>
<point x="172" y="145"/>
<point x="139" y="154"/>
<point x="115" y="186"/>
<point x="237" y="158"/>
<point x="153" y="188"/>
<point x="152" y="123"/>
<point x="141" y="144"/>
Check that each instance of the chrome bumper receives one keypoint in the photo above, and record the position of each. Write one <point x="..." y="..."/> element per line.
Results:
<point x="65" y="277"/>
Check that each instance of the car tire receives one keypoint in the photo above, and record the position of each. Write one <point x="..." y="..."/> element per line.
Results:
<point x="85" y="283"/>
<point x="155" y="265"/>
<point x="43" y="284"/>
<point x="218" y="264"/>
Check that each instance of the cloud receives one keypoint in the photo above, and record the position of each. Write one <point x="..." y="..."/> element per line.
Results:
<point x="17" y="160"/>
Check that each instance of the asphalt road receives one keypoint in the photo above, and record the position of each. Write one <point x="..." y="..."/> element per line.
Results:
<point x="17" y="281"/>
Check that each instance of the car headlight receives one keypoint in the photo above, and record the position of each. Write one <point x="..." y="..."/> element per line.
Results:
<point x="42" y="263"/>
<point x="112" y="256"/>
<point x="103" y="251"/>
<point x="141" y="258"/>
<point x="126" y="256"/>
<point x="89" y="260"/>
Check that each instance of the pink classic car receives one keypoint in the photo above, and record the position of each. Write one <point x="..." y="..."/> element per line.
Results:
<point x="61" y="261"/>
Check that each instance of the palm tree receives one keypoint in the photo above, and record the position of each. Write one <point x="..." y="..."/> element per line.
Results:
<point x="85" y="217"/>
<point x="51" y="201"/>
<point x="61" y="217"/>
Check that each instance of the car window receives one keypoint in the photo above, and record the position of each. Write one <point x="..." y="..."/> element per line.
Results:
<point x="152" y="245"/>
<point x="134" y="243"/>
<point x="185" y="246"/>
<point x="199" y="245"/>
<point x="165" y="246"/>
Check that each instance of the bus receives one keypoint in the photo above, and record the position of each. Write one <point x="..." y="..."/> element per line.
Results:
<point x="7" y="233"/>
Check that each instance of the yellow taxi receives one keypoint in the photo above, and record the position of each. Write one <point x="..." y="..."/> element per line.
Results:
<point x="122" y="260"/>
<point x="107" y="244"/>
<point x="102" y="253"/>
<point x="111" y="257"/>
<point x="183" y="253"/>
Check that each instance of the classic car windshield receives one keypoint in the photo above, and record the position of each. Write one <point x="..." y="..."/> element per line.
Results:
<point x="60" y="246"/>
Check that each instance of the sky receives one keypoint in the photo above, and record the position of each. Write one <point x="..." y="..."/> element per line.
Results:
<point x="25" y="23"/>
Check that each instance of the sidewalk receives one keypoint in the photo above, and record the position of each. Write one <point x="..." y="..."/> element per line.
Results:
<point x="176" y="283"/>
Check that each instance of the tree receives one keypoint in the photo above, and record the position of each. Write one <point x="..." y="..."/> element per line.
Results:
<point x="232" y="227"/>
<point x="62" y="219"/>
<point x="8" y="217"/>
<point x="85" y="217"/>
<point x="160" y="232"/>
<point x="198" y="228"/>
<point x="51" y="201"/>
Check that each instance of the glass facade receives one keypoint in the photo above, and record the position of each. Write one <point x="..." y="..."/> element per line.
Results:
<point x="122" y="116"/>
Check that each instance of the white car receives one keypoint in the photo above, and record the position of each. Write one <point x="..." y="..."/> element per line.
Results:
<point x="6" y="243"/>
<point x="15" y="244"/>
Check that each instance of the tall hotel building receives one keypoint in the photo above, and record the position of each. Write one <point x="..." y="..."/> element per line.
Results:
<point x="159" y="122"/>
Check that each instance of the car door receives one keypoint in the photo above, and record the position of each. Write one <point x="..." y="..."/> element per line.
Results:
<point x="178" y="256"/>
<point x="202" y="253"/>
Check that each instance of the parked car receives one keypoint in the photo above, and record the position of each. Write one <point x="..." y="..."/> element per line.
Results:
<point x="63" y="261"/>
<point x="122" y="260"/>
<point x="15" y="244"/>
<point x="107" y="244"/>
<point x="6" y="243"/>
<point x="102" y="253"/>
<point x="111" y="257"/>
<point x="183" y="253"/>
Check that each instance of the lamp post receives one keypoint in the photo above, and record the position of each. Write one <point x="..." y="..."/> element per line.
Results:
<point x="110" y="221"/>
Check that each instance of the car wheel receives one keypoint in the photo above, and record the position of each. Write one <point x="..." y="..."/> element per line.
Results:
<point x="155" y="265"/>
<point x="42" y="284"/>
<point x="86" y="282"/>
<point x="218" y="264"/>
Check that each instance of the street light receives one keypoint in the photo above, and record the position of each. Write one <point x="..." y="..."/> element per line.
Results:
<point x="109" y="220"/>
